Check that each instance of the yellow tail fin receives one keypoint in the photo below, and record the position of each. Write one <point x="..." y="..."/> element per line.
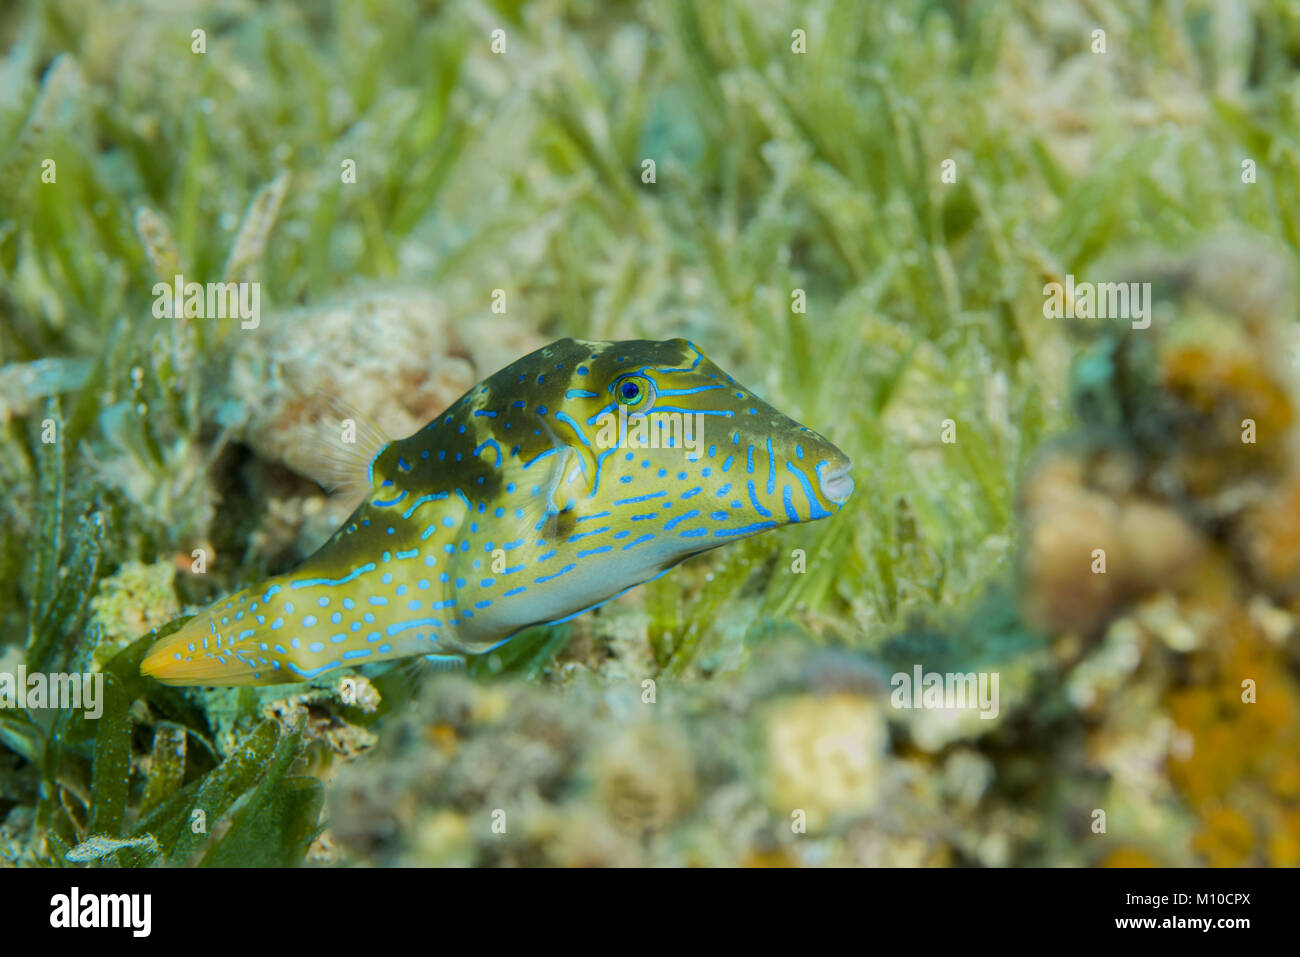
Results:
<point x="189" y="657"/>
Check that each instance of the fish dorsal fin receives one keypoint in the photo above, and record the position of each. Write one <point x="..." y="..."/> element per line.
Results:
<point x="346" y="444"/>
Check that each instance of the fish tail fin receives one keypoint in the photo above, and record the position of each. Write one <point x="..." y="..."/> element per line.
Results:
<point x="194" y="655"/>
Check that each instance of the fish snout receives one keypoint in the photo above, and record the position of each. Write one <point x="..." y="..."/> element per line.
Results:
<point x="835" y="481"/>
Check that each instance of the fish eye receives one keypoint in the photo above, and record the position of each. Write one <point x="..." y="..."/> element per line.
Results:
<point x="634" y="391"/>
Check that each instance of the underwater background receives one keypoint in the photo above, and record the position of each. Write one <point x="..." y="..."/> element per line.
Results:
<point x="858" y="210"/>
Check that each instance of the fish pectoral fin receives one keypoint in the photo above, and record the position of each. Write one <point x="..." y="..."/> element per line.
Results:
<point x="542" y="511"/>
<point x="582" y="465"/>
<point x="573" y="476"/>
<point x="579" y="478"/>
<point x="345" y="445"/>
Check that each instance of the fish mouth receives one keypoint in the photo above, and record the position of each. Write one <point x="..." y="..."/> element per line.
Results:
<point x="837" y="484"/>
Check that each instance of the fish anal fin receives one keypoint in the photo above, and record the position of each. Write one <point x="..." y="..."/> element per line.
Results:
<point x="446" y="662"/>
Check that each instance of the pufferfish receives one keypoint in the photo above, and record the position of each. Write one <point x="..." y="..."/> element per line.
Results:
<point x="567" y="478"/>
